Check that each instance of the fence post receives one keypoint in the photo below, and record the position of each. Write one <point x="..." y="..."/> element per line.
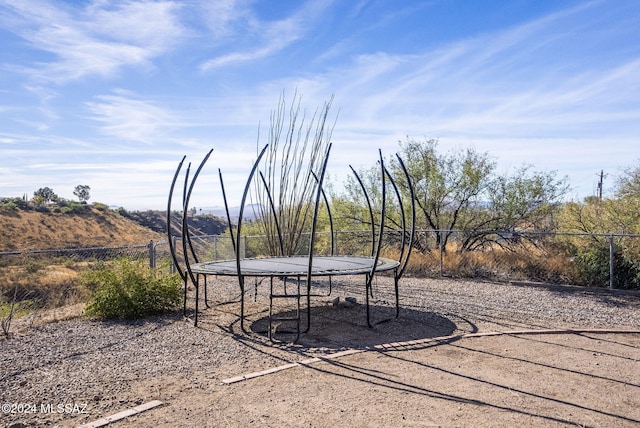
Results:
<point x="611" y="263"/>
<point x="441" y="255"/>
<point x="152" y="254"/>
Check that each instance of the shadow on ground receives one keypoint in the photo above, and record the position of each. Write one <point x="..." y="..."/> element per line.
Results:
<point x="335" y="327"/>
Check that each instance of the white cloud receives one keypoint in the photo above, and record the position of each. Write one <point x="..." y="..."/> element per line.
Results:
<point x="261" y="39"/>
<point x="97" y="40"/>
<point x="221" y="17"/>
<point x="129" y="118"/>
<point x="559" y="91"/>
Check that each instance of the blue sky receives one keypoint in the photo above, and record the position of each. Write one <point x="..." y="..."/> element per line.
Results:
<point x="112" y="94"/>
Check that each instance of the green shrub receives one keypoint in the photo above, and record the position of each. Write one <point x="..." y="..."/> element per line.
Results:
<point x="592" y="268"/>
<point x="32" y="267"/>
<point x="14" y="204"/>
<point x="9" y="206"/>
<point x="123" y="212"/>
<point x="129" y="290"/>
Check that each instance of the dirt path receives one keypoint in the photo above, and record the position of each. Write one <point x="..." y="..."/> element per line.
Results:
<point x="451" y="359"/>
<point x="506" y="380"/>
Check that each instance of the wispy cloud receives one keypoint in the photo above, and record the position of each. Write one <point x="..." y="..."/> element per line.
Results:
<point x="260" y="39"/>
<point x="97" y="40"/>
<point x="517" y="81"/>
<point x="551" y="84"/>
<point x="126" y="117"/>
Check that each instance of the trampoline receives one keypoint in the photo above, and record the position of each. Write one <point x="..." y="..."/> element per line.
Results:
<point x="284" y="266"/>
<point x="296" y="266"/>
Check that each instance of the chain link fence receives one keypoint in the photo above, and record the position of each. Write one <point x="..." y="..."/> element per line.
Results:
<point x="41" y="280"/>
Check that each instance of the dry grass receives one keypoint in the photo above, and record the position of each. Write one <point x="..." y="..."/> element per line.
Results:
<point x="525" y="264"/>
<point x="35" y="290"/>
<point x="32" y="230"/>
<point x="36" y="287"/>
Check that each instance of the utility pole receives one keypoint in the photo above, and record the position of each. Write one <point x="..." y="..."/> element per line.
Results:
<point x="600" y="184"/>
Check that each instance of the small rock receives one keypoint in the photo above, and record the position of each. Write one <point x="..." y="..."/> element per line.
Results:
<point x="345" y="304"/>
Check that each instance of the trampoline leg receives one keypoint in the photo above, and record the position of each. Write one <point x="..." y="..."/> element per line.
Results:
<point x="206" y="300"/>
<point x="241" y="280"/>
<point x="195" y="318"/>
<point x="367" y="288"/>
<point x="308" y="303"/>
<point x="395" y="283"/>
<point x="184" y="309"/>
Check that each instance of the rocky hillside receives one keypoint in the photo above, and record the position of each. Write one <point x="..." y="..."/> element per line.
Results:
<point x="23" y="230"/>
<point x="157" y="221"/>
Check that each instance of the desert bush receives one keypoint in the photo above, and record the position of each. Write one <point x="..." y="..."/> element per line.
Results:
<point x="591" y="268"/>
<point x="123" y="212"/>
<point x="127" y="289"/>
<point x="13" y="204"/>
<point x="70" y="207"/>
<point x="32" y="267"/>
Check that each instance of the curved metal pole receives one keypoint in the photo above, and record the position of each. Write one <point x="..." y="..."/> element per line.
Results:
<point x="273" y="211"/>
<point x="185" y="188"/>
<point x="397" y="273"/>
<point x="326" y="203"/>
<point x="366" y="196"/>
<point x="314" y="222"/>
<point x="332" y="241"/>
<point x="402" y="213"/>
<point x="226" y="208"/>
<point x="240" y="215"/>
<point x="376" y="256"/>
<point x="172" y="248"/>
<point x="403" y="264"/>
<point x="186" y="235"/>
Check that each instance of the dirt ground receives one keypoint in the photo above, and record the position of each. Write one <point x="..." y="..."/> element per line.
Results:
<point x="461" y="353"/>
<point x="418" y="371"/>
<point x="505" y="380"/>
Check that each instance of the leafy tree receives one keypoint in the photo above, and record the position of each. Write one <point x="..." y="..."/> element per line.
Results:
<point x="628" y="185"/>
<point x="460" y="190"/>
<point x="619" y="214"/>
<point x="615" y="215"/>
<point x="82" y="192"/>
<point x="45" y="194"/>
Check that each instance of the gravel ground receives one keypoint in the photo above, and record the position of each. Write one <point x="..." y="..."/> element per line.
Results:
<point x="98" y="368"/>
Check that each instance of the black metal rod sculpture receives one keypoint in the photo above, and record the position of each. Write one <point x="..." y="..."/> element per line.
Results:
<point x="170" y="238"/>
<point x="332" y="242"/>
<point x="273" y="212"/>
<point x="238" y="233"/>
<point x="314" y="222"/>
<point x="404" y="261"/>
<point x="366" y="197"/>
<point x="188" y="251"/>
<point x="376" y="244"/>
<point x="332" y="248"/>
<point x="318" y="194"/>
<point x="226" y="209"/>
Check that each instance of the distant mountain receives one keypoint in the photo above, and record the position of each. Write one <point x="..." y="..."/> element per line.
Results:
<point x="250" y="211"/>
